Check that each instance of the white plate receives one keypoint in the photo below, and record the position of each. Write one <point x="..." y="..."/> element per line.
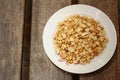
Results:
<point x="81" y="9"/>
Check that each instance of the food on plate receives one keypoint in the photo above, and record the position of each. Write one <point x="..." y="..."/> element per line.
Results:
<point x="78" y="39"/>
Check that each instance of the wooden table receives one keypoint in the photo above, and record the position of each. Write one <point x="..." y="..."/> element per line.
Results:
<point x="22" y="56"/>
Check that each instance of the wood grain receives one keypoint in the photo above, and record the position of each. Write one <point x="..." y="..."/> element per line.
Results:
<point x="41" y="68"/>
<point x="11" y="28"/>
<point x="110" y="71"/>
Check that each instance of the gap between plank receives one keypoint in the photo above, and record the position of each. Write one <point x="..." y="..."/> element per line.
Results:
<point x="75" y="76"/>
<point x="74" y="1"/>
<point x="118" y="1"/>
<point x="25" y="61"/>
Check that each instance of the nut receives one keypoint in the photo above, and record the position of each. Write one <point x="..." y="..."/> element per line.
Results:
<point x="78" y="39"/>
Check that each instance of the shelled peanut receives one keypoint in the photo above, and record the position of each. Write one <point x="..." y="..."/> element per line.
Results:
<point x="78" y="39"/>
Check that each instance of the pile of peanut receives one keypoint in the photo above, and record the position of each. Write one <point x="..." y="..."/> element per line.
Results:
<point x="78" y="39"/>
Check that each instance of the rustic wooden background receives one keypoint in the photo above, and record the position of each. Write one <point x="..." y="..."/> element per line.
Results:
<point x="22" y="56"/>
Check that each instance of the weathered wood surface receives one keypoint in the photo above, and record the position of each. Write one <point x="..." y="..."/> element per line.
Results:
<point x="111" y="71"/>
<point x="11" y="28"/>
<point x="16" y="50"/>
<point x="41" y="68"/>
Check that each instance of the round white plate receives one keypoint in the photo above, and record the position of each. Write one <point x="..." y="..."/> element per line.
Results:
<point x="81" y="9"/>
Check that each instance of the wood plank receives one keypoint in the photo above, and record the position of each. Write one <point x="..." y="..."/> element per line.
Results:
<point x="11" y="26"/>
<point x="41" y="68"/>
<point x="110" y="71"/>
